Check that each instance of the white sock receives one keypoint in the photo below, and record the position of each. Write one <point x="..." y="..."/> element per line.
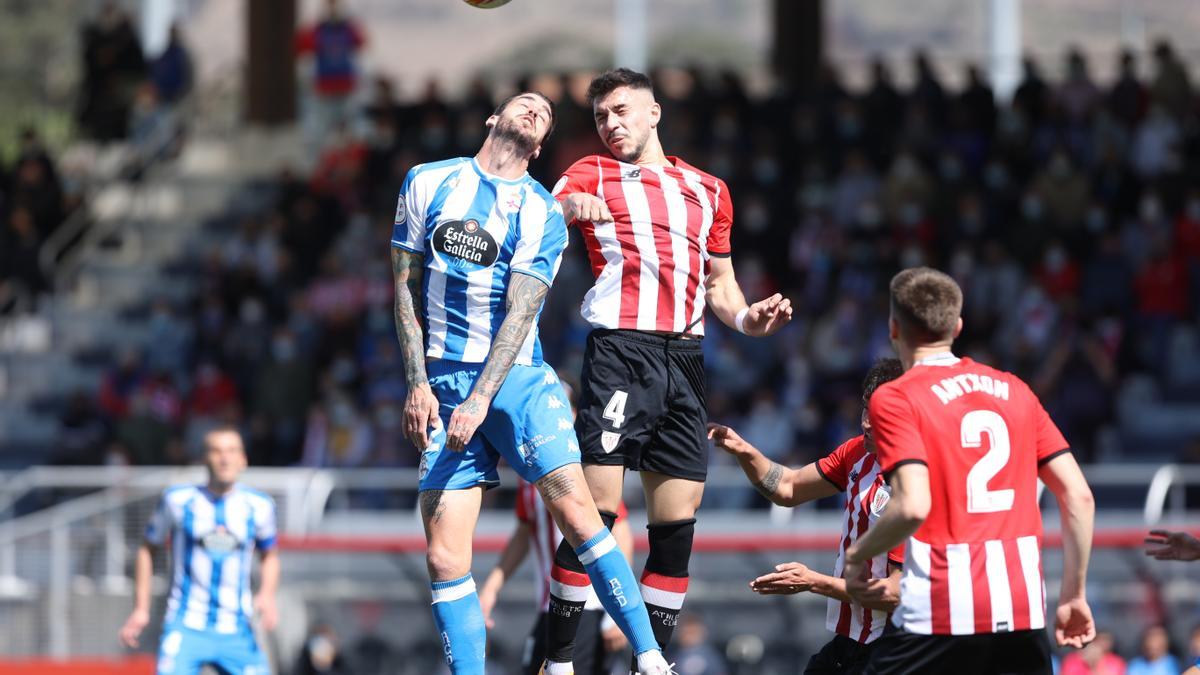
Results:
<point x="556" y="668"/>
<point x="652" y="662"/>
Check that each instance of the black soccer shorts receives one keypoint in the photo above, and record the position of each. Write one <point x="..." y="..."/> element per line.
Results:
<point x="642" y="403"/>
<point x="1025" y="652"/>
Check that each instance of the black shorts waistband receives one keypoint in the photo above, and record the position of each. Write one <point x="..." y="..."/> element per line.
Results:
<point x="674" y="342"/>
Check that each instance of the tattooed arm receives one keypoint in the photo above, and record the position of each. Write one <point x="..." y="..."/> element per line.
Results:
<point x="421" y="406"/>
<point x="525" y="296"/>
<point x="780" y="485"/>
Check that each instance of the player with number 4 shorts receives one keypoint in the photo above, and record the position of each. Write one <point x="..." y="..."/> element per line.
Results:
<point x="475" y="247"/>
<point x="963" y="446"/>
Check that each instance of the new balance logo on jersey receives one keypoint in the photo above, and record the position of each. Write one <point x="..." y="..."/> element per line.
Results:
<point x="631" y="174"/>
<point x="952" y="387"/>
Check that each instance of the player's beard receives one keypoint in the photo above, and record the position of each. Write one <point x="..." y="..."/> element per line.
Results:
<point x="634" y="155"/>
<point x="523" y="142"/>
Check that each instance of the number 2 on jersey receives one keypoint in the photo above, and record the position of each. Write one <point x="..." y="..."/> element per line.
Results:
<point x="979" y="498"/>
<point x="615" y="410"/>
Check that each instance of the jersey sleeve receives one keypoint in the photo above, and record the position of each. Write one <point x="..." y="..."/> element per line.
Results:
<point x="896" y="555"/>
<point x="265" y="528"/>
<point x="1050" y="441"/>
<point x="833" y="467"/>
<point x="894" y="425"/>
<point x="582" y="176"/>
<point x="160" y="523"/>
<point x="408" y="227"/>
<point x="718" y="234"/>
<point x="540" y="248"/>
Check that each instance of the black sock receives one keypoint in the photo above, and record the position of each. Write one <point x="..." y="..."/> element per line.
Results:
<point x="665" y="578"/>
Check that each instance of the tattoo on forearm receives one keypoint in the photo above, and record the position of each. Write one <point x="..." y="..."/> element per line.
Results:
<point x="407" y="268"/>
<point x="432" y="506"/>
<point x="525" y="296"/>
<point x="555" y="485"/>
<point x="769" y="485"/>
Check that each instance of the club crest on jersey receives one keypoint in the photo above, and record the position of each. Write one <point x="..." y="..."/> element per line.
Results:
<point x="609" y="440"/>
<point x="880" y="500"/>
<point x="220" y="542"/>
<point x="401" y="211"/>
<point x="465" y="245"/>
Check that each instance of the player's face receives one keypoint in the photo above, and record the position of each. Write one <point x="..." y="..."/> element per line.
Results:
<point x="526" y="118"/>
<point x="225" y="456"/>
<point x="868" y="437"/>
<point x="624" y="119"/>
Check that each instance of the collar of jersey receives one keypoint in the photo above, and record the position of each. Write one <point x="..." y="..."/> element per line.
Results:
<point x="940" y="359"/>
<point x="493" y="177"/>
<point x="208" y="494"/>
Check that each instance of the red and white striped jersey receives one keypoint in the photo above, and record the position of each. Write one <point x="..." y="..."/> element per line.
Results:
<point x="651" y="263"/>
<point x="974" y="566"/>
<point x="544" y="537"/>
<point x="856" y="472"/>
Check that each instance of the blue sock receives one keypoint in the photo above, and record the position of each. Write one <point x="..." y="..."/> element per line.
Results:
<point x="460" y="624"/>
<point x="618" y="589"/>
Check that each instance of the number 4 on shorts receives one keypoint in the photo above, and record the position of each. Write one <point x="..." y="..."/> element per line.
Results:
<point x="615" y="410"/>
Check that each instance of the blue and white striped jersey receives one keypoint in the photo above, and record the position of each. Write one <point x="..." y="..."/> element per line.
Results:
<point x="213" y="540"/>
<point x="475" y="230"/>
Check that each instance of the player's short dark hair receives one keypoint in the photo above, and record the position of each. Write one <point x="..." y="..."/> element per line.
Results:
<point x="926" y="303"/>
<point x="884" y="371"/>
<point x="609" y="80"/>
<point x="553" y="117"/>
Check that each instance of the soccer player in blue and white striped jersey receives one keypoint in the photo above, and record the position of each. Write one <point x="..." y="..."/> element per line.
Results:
<point x="214" y="531"/>
<point x="475" y="247"/>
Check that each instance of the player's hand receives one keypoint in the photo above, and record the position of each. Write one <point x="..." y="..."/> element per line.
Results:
<point x="787" y="579"/>
<point x="420" y="413"/>
<point x="614" y="639"/>
<point x="585" y="207"/>
<point x="267" y="611"/>
<point x="878" y="593"/>
<point x="466" y="419"/>
<point x="727" y="439"/>
<point x="1167" y="545"/>
<point x="768" y="316"/>
<point x="857" y="579"/>
<point x="1073" y="624"/>
<point x="487" y="600"/>
<point x="133" y="628"/>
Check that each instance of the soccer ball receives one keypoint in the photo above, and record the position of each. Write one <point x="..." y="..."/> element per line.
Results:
<point x="486" y="4"/>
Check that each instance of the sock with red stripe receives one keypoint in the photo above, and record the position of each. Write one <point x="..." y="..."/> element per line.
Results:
<point x="570" y="586"/>
<point x="665" y="578"/>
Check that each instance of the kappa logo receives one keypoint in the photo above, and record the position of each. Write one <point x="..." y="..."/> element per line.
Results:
<point x="563" y="424"/>
<point x="550" y="379"/>
<point x="572" y="446"/>
<point x="880" y="500"/>
<point x="609" y="440"/>
<point x="555" y="403"/>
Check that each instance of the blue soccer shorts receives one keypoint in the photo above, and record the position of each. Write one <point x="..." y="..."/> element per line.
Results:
<point x="529" y="425"/>
<point x="184" y="651"/>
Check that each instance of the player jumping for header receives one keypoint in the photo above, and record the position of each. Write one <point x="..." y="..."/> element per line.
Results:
<point x="475" y="247"/>
<point x="657" y="235"/>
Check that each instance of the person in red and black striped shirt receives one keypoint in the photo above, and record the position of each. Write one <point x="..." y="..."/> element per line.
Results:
<point x="963" y="446"/>
<point x="851" y="469"/>
<point x="657" y="235"/>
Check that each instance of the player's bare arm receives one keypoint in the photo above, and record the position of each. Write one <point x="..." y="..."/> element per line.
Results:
<point x="1169" y="545"/>
<point x="793" y="577"/>
<point x="524" y="301"/>
<point x="779" y="484"/>
<point x="511" y="557"/>
<point x="724" y="296"/>
<point x="1073" y="619"/>
<point x="143" y="573"/>
<point x="264" y="602"/>
<point x="421" y="406"/>
<point x="906" y="511"/>
<point x="585" y="207"/>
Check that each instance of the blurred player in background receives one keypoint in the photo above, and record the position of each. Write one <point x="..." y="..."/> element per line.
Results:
<point x="600" y="640"/>
<point x="214" y="531"/>
<point x="475" y="247"/>
<point x="851" y="469"/>
<point x="657" y="235"/>
<point x="963" y="446"/>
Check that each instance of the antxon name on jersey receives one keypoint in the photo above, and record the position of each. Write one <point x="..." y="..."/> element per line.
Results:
<point x="953" y="387"/>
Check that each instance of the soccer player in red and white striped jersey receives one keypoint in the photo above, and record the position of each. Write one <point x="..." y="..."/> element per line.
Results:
<point x="657" y="235"/>
<point x="851" y="469"/>
<point x="963" y="446"/>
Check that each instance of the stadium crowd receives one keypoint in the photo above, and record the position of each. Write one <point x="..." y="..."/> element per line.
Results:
<point x="1068" y="216"/>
